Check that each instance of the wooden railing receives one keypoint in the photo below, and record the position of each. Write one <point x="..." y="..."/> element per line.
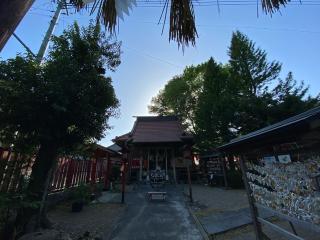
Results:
<point x="69" y="171"/>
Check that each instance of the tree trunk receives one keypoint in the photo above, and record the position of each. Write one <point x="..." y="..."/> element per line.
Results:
<point x="28" y="218"/>
<point x="11" y="13"/>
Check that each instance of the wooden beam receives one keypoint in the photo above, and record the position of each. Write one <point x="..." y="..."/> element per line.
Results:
<point x="298" y="222"/>
<point x="253" y="210"/>
<point x="280" y="230"/>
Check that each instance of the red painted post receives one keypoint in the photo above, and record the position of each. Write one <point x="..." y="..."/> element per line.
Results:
<point x="55" y="176"/>
<point x="83" y="171"/>
<point x="93" y="170"/>
<point x="101" y="169"/>
<point x="64" y="173"/>
<point x="76" y="173"/>
<point x="83" y="165"/>
<point x="70" y="173"/>
<point x="88" y="171"/>
<point x="4" y="162"/>
<point x="123" y="179"/>
<point x="8" y="173"/>
<point x="107" y="174"/>
<point x="60" y="168"/>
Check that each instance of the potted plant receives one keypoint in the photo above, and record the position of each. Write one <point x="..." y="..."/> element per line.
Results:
<point x="81" y="196"/>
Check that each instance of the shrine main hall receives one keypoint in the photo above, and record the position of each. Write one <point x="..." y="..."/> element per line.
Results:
<point x="156" y="142"/>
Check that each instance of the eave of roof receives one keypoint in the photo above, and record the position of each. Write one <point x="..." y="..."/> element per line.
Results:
<point x="308" y="115"/>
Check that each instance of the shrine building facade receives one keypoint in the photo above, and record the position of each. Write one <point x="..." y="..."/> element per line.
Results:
<point x="156" y="142"/>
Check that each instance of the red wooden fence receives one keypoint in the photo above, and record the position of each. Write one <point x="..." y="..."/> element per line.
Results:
<point x="69" y="172"/>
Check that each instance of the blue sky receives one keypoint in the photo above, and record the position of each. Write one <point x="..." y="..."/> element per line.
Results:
<point x="149" y="60"/>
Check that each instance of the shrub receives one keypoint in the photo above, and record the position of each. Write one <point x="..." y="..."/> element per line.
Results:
<point x="234" y="178"/>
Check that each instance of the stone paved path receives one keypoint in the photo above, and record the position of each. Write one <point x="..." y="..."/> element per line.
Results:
<point x="145" y="219"/>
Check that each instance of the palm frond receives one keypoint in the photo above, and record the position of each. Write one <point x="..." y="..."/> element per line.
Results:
<point x="182" y="28"/>
<point x="182" y="23"/>
<point x="107" y="13"/>
<point x="271" y="6"/>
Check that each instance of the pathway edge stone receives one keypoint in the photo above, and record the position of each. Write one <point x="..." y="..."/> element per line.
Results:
<point x="201" y="229"/>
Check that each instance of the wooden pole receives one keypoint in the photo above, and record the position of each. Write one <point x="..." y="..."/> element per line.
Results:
<point x="189" y="181"/>
<point x="123" y="181"/>
<point x="166" y="154"/>
<point x="174" y="167"/>
<point x="148" y="165"/>
<point x="224" y="169"/>
<point x="253" y="209"/>
<point x="140" y="168"/>
<point x="107" y="174"/>
<point x="157" y="152"/>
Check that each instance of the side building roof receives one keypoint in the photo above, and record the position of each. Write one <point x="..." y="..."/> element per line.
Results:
<point x="289" y="123"/>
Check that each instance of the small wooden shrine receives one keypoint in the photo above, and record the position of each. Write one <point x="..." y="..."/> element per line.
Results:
<point x="156" y="142"/>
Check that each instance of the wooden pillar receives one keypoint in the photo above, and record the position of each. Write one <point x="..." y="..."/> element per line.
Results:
<point x="157" y="155"/>
<point x="189" y="182"/>
<point x="140" y="167"/>
<point x="70" y="173"/>
<point x="89" y="165"/>
<point x="174" y="167"/>
<point x="123" y="179"/>
<point x="148" y="174"/>
<point x="166" y="154"/>
<point x="107" y="174"/>
<point x="3" y="164"/>
<point x="224" y="170"/>
<point x="253" y="209"/>
<point x="93" y="171"/>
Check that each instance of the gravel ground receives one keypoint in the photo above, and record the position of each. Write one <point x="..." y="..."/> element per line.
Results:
<point x="212" y="199"/>
<point x="99" y="219"/>
<point x="209" y="200"/>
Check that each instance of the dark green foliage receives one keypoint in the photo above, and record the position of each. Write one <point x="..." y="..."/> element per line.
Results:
<point x="180" y="96"/>
<point x="81" y="193"/>
<point x="212" y="119"/>
<point x="66" y="99"/>
<point x="115" y="173"/>
<point x="219" y="102"/>
<point x="234" y="178"/>
<point x="250" y="67"/>
<point x="252" y="73"/>
<point x="55" y="107"/>
<point x="11" y="202"/>
<point x="291" y="98"/>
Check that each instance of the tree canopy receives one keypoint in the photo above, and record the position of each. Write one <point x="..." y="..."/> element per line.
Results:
<point x="66" y="99"/>
<point x="59" y="105"/>
<point x="219" y="102"/>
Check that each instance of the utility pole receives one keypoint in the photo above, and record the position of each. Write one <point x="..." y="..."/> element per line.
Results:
<point x="45" y="42"/>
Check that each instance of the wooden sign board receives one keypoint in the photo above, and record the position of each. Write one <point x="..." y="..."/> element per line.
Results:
<point x="214" y="166"/>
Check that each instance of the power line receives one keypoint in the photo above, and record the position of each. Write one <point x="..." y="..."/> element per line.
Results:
<point x="139" y="52"/>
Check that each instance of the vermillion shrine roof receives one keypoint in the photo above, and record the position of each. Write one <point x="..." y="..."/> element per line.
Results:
<point x="156" y="129"/>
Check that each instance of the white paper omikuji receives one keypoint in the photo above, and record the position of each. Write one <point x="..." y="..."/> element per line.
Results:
<point x="288" y="188"/>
